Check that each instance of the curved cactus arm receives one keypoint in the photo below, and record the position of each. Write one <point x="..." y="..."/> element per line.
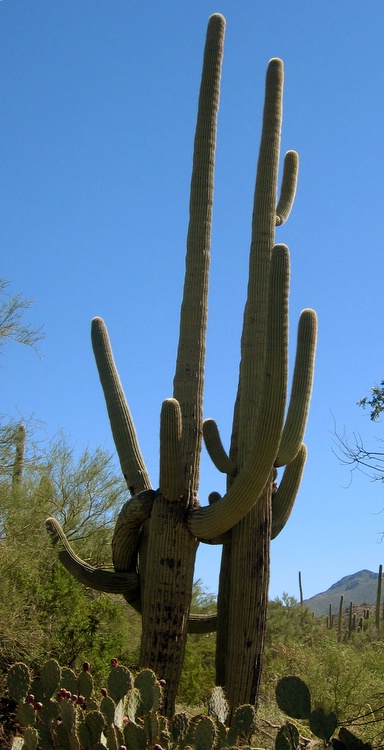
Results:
<point x="95" y="578"/>
<point x="189" y="375"/>
<point x="254" y="334"/>
<point x="288" y="187"/>
<point x="216" y="519"/>
<point x="126" y="536"/>
<point x="216" y="449"/>
<point x="285" y="496"/>
<point x="303" y="375"/>
<point x="123" y="429"/>
<point x="221" y="539"/>
<point x="214" y="497"/>
<point x="171" y="462"/>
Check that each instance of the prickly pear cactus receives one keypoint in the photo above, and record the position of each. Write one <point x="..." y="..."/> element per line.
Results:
<point x="19" y="744"/>
<point x="179" y="727"/>
<point x="321" y="724"/>
<point x="90" y="730"/>
<point x="201" y="732"/>
<point x="135" y="737"/>
<point x="85" y="684"/>
<point x="50" y="678"/>
<point x="218" y="705"/>
<point x="149" y="688"/>
<point x="293" y="697"/>
<point x="18" y="681"/>
<point x="119" y="682"/>
<point x="287" y="737"/>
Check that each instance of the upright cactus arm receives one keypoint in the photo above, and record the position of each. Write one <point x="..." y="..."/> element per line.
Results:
<point x="171" y="466"/>
<point x="215" y="519"/>
<point x="95" y="578"/>
<point x="189" y="376"/>
<point x="169" y="548"/>
<point x="301" y="392"/>
<point x="288" y="187"/>
<point x="284" y="497"/>
<point x="216" y="449"/>
<point x="123" y="430"/>
<point x="18" y="463"/>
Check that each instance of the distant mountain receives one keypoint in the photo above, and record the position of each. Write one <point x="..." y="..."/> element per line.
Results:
<point x="359" y="588"/>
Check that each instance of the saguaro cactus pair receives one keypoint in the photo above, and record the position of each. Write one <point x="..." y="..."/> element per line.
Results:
<point x="157" y="531"/>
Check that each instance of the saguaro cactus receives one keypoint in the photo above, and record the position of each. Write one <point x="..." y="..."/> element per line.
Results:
<point x="157" y="531"/>
<point x="244" y="578"/>
<point x="18" y="463"/>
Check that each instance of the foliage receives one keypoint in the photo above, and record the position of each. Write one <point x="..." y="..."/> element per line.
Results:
<point x="198" y="673"/>
<point x="82" y="490"/>
<point x="43" y="611"/>
<point x="12" y="325"/>
<point x="344" y="678"/>
<point x="375" y="402"/>
<point x="294" y="698"/>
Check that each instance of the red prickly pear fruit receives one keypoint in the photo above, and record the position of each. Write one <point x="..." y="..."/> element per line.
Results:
<point x="74" y="698"/>
<point x="60" y="696"/>
<point x="30" y="698"/>
<point x="80" y="700"/>
<point x="86" y="666"/>
<point x="114" y="662"/>
<point x="125" y="720"/>
<point x="157" y="747"/>
<point x="162" y="683"/>
<point x="63" y="692"/>
<point x="38" y="706"/>
<point x="123" y="747"/>
<point x="104" y="692"/>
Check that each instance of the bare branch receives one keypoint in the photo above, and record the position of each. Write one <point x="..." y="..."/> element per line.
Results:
<point x="352" y="453"/>
<point x="12" y="327"/>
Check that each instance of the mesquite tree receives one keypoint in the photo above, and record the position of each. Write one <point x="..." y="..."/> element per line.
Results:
<point x="158" y="530"/>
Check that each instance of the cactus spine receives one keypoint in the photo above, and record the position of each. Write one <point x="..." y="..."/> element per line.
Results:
<point x="157" y="531"/>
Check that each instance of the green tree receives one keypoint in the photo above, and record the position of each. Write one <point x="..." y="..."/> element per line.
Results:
<point x="198" y="673"/>
<point x="375" y="401"/>
<point x="43" y="610"/>
<point x="12" y="325"/>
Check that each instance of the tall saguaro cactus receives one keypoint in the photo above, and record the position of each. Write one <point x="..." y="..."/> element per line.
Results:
<point x="244" y="578"/>
<point x="158" y="530"/>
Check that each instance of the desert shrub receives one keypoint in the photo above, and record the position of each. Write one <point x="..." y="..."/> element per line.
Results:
<point x="198" y="674"/>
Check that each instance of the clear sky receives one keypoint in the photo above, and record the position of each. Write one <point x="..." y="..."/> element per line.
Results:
<point x="97" y="122"/>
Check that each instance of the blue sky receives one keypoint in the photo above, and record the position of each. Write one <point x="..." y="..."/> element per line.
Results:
<point x="97" y="122"/>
